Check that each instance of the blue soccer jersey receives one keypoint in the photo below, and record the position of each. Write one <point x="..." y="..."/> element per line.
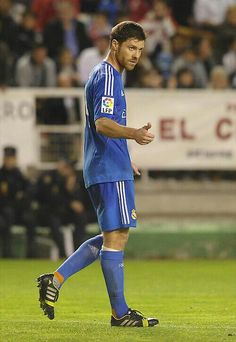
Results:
<point x="105" y="159"/>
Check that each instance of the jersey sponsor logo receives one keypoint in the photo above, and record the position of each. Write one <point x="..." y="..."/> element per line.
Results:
<point x="107" y="105"/>
<point x="134" y="214"/>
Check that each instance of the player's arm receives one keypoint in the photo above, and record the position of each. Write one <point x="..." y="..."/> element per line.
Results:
<point x="112" y="129"/>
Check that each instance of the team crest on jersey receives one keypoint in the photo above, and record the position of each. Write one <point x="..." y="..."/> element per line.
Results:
<point x="134" y="214"/>
<point x="107" y="105"/>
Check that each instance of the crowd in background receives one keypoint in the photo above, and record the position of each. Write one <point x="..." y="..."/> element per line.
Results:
<point x="53" y="199"/>
<point x="47" y="43"/>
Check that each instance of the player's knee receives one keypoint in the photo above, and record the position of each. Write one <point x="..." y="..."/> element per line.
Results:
<point x="116" y="239"/>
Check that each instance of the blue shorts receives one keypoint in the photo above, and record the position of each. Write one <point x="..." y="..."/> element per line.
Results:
<point x="114" y="204"/>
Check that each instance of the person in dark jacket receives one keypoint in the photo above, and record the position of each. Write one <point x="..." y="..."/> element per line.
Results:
<point x="49" y="195"/>
<point x="15" y="204"/>
<point x="60" y="200"/>
<point x="26" y="35"/>
<point x="8" y="27"/>
<point x="65" y="31"/>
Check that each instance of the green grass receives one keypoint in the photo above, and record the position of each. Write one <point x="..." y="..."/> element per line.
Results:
<point x="194" y="301"/>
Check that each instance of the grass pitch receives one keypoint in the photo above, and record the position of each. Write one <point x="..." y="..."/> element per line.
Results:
<point x="194" y="301"/>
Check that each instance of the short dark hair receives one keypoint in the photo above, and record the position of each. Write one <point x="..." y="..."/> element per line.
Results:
<point x="9" y="151"/>
<point x="126" y="30"/>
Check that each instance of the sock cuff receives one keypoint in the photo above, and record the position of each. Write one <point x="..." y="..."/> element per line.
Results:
<point x="59" y="277"/>
<point x="110" y="255"/>
<point x="104" y="248"/>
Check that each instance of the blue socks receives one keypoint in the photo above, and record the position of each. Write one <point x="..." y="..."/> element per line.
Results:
<point x="113" y="271"/>
<point x="112" y="267"/>
<point x="87" y="253"/>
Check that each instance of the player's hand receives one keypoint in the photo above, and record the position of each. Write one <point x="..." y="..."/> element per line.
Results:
<point x="135" y="169"/>
<point x="143" y="136"/>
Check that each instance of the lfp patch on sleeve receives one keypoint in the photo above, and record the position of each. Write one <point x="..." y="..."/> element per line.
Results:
<point x="107" y="105"/>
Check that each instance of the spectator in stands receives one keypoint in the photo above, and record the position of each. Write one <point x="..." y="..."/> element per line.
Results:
<point x="99" y="26"/>
<point x="60" y="202"/>
<point x="182" y="11"/>
<point x="229" y="58"/>
<point x="159" y="27"/>
<point x="219" y="79"/>
<point x="18" y="8"/>
<point x="59" y="110"/>
<point x="151" y="79"/>
<point x="163" y="63"/>
<point x="7" y="25"/>
<point x="45" y="11"/>
<point x="185" y="79"/>
<point x="26" y="36"/>
<point x="67" y="67"/>
<point x="226" y="32"/>
<point x="36" y="69"/>
<point x="15" y="203"/>
<point x="92" y="56"/>
<point x="65" y="31"/>
<point x="179" y="43"/>
<point x="211" y="14"/>
<point x="50" y="197"/>
<point x="137" y="9"/>
<point x="190" y="61"/>
<point x="205" y="54"/>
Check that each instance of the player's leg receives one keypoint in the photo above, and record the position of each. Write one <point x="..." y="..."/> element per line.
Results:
<point x="117" y="214"/>
<point x="86" y="254"/>
<point x="49" y="284"/>
<point x="112" y="262"/>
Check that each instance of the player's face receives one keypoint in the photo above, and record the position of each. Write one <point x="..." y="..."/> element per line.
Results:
<point x="128" y="53"/>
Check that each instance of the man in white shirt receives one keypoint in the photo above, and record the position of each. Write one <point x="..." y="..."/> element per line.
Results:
<point x="211" y="12"/>
<point x="92" y="56"/>
<point x="159" y="27"/>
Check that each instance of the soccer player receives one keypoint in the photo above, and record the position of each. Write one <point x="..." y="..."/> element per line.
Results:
<point x="108" y="175"/>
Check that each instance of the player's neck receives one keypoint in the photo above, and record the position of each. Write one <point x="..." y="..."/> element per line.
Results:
<point x="111" y="59"/>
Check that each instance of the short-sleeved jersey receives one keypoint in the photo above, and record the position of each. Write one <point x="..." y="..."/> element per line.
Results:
<point x="105" y="159"/>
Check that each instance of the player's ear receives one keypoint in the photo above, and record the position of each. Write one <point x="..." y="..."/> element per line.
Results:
<point x="114" y="44"/>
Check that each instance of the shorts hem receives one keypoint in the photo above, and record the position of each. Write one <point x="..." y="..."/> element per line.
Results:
<point x="118" y="227"/>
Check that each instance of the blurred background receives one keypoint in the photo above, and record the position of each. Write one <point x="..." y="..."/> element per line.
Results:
<point x="184" y="84"/>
